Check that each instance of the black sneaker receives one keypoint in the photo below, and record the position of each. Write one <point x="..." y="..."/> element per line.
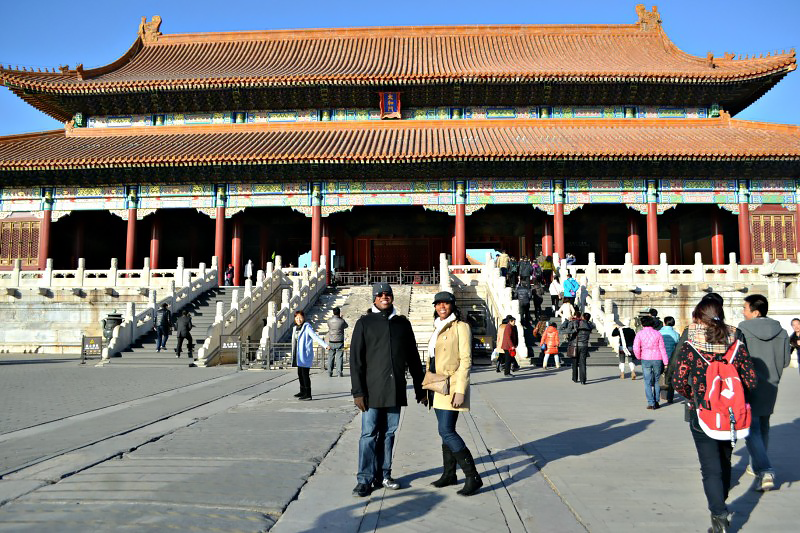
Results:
<point x="299" y="394"/>
<point x="362" y="490"/>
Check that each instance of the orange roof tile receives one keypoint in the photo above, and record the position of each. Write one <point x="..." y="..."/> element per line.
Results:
<point x="401" y="141"/>
<point x="402" y="55"/>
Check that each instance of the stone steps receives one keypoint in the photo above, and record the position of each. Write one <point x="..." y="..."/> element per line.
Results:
<point x="203" y="310"/>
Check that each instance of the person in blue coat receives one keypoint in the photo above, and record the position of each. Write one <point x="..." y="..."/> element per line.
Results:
<point x="571" y="288"/>
<point x="303" y="338"/>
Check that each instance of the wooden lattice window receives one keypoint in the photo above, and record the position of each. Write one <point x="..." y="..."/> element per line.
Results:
<point x="773" y="233"/>
<point x="19" y="240"/>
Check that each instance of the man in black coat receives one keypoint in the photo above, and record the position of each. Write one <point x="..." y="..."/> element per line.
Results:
<point x="183" y="325"/>
<point x="382" y="347"/>
<point x="524" y="300"/>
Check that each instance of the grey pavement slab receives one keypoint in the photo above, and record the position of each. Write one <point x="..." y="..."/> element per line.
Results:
<point x="33" y="445"/>
<point x="39" y="389"/>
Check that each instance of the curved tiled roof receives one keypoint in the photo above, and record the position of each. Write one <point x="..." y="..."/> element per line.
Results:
<point x="403" y="55"/>
<point x="398" y="141"/>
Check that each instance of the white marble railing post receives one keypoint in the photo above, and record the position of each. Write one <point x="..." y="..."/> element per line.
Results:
<point x="591" y="268"/>
<point x="80" y="272"/>
<point x="732" y="272"/>
<point x="235" y="299"/>
<point x="112" y="273"/>
<point x="219" y="313"/>
<point x="767" y="258"/>
<point x="698" y="269"/>
<point x="47" y="277"/>
<point x="171" y="293"/>
<point x="627" y="268"/>
<point x="270" y="270"/>
<point x="278" y="262"/>
<point x="248" y="288"/>
<point x="146" y="271"/>
<point x="153" y="302"/>
<point x="663" y="268"/>
<point x="202" y="271"/>
<point x="179" y="270"/>
<point x="608" y="309"/>
<point x="16" y="272"/>
<point x="296" y="285"/>
<point x="286" y="296"/>
<point x="444" y="274"/>
<point x="130" y="316"/>
<point x="259" y="278"/>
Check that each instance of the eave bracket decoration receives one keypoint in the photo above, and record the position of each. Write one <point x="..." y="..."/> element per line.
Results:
<point x="640" y="207"/>
<point x="733" y="208"/>
<point x="663" y="208"/>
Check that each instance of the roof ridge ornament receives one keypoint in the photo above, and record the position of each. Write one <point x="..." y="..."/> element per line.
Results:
<point x="648" y="20"/>
<point x="148" y="31"/>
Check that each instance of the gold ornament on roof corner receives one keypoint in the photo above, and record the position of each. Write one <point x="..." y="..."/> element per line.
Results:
<point x="648" y="20"/>
<point x="148" y="31"/>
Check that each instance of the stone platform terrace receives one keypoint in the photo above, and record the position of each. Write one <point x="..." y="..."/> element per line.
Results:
<point x="148" y="449"/>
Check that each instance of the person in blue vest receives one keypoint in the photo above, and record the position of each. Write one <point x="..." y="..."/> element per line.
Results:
<point x="303" y="338"/>
<point x="571" y="288"/>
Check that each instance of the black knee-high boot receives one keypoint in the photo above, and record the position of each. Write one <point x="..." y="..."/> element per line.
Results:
<point x="473" y="481"/>
<point x="449" y="471"/>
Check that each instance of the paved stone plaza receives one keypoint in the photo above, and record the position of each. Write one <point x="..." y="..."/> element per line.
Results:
<point x="150" y="449"/>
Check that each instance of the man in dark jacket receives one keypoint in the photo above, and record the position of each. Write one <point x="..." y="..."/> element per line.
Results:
<point x="524" y="300"/>
<point x="525" y="270"/>
<point x="335" y="340"/>
<point x="162" y="323"/>
<point x="582" y="329"/>
<point x="768" y="344"/>
<point x="183" y="325"/>
<point x="382" y="347"/>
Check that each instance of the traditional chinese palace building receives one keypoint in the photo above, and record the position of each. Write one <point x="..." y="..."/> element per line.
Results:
<point x="391" y="145"/>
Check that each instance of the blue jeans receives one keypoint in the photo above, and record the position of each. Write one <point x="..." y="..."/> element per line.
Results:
<point x="652" y="371"/>
<point x="757" y="442"/>
<point x="378" y="426"/>
<point x="161" y="341"/>
<point x="447" y="429"/>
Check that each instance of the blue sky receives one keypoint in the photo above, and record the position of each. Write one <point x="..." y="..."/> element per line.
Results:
<point x="50" y="33"/>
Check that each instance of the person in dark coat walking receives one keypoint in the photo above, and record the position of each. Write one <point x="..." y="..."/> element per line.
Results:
<point x="582" y="329"/>
<point x="162" y="323"/>
<point x="524" y="300"/>
<point x="525" y="270"/>
<point x="537" y="295"/>
<point x="383" y="346"/>
<point x="768" y="345"/>
<point x="183" y="326"/>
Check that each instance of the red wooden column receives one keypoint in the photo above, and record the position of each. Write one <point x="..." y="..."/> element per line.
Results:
<point x="316" y="232"/>
<point x="745" y="239"/>
<point x="236" y="252"/>
<point x="602" y="243"/>
<point x="675" y="243"/>
<point x="460" y="236"/>
<point x="219" y="235"/>
<point x="316" y="221"/>
<point x="326" y="250"/>
<point x="130" y="243"/>
<point x="633" y="238"/>
<point x="797" y="228"/>
<point x="547" y="236"/>
<point x="155" y="237"/>
<point x="558" y="230"/>
<point x="717" y="240"/>
<point x="652" y="234"/>
<point x="558" y="218"/>
<point x="44" y="229"/>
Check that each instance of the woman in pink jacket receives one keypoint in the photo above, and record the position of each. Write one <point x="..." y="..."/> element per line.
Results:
<point x="648" y="346"/>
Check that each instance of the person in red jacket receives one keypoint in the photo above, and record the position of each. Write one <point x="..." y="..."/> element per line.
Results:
<point x="550" y="342"/>
<point x="509" y="345"/>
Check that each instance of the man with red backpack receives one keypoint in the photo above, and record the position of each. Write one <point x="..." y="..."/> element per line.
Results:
<point x="713" y="371"/>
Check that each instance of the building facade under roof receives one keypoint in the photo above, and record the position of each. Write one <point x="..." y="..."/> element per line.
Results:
<point x="391" y="145"/>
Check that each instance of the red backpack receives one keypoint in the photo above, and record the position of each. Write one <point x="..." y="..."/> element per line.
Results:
<point x="723" y="412"/>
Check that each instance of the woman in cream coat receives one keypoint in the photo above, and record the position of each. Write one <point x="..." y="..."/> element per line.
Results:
<point x="450" y="353"/>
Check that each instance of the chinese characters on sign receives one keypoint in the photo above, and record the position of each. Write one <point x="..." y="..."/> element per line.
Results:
<point x="390" y="105"/>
